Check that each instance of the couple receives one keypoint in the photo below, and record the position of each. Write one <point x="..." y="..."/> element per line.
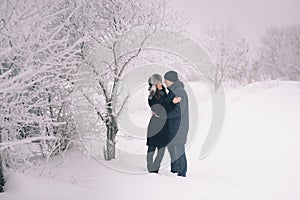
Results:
<point x="169" y="124"/>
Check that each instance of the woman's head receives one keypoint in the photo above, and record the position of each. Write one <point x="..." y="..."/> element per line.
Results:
<point x="155" y="80"/>
<point x="155" y="84"/>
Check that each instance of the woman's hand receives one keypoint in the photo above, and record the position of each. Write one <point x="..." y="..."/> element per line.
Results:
<point x="153" y="113"/>
<point x="176" y="100"/>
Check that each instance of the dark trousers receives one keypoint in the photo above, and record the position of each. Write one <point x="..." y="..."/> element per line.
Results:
<point x="178" y="159"/>
<point x="153" y="165"/>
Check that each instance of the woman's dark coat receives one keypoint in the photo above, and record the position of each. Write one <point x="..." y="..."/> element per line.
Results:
<point x="157" y="133"/>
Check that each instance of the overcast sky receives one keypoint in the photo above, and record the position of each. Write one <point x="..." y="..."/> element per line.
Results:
<point x="249" y="16"/>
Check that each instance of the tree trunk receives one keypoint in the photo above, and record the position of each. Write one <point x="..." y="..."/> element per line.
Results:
<point x="111" y="132"/>
<point x="110" y="149"/>
<point x="2" y="181"/>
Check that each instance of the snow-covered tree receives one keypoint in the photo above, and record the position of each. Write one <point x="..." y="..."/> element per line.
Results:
<point x="279" y="56"/>
<point x="229" y="52"/>
<point x="40" y="51"/>
<point x="116" y="19"/>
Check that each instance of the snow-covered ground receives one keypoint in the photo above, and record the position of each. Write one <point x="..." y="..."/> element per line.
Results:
<point x="257" y="157"/>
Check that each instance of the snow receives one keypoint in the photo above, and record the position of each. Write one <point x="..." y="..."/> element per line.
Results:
<point x="257" y="157"/>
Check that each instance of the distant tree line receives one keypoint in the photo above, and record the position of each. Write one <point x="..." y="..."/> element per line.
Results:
<point x="278" y="56"/>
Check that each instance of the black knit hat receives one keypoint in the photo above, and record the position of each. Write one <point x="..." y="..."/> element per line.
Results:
<point x="171" y="76"/>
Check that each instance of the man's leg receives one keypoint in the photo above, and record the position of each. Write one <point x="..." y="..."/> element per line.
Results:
<point x="181" y="162"/>
<point x="174" y="167"/>
<point x="150" y="154"/>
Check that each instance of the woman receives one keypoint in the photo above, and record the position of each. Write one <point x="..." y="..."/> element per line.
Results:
<point x="157" y="133"/>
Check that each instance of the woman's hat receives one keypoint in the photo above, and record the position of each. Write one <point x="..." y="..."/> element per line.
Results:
<point x="154" y="79"/>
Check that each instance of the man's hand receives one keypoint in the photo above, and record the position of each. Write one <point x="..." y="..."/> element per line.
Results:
<point x="176" y="100"/>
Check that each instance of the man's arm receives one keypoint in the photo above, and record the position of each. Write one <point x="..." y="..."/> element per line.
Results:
<point x="179" y="108"/>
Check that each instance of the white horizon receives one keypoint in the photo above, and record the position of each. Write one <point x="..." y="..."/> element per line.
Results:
<point x="250" y="18"/>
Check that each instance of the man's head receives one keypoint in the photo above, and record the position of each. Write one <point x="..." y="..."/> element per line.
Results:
<point x="170" y="78"/>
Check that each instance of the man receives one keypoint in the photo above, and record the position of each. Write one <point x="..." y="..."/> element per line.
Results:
<point x="178" y="123"/>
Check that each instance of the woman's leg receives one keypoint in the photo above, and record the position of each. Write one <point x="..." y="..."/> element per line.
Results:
<point x="159" y="157"/>
<point x="150" y="154"/>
